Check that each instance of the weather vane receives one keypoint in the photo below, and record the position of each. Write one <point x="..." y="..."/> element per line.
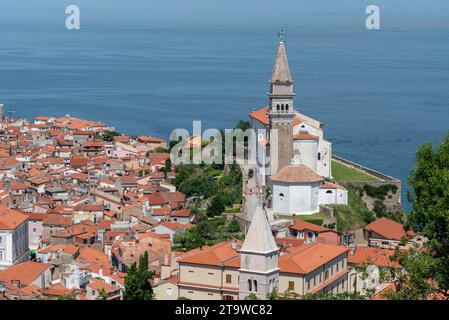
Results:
<point x="281" y="35"/>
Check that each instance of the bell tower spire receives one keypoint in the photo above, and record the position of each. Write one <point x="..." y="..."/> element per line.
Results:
<point x="281" y="110"/>
<point x="259" y="271"/>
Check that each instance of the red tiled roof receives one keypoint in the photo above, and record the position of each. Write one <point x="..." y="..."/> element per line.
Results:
<point x="377" y="256"/>
<point x="26" y="272"/>
<point x="296" y="173"/>
<point x="306" y="258"/>
<point x="181" y="213"/>
<point x="11" y="219"/>
<point x="149" y="139"/>
<point x="261" y="115"/>
<point x="330" y="185"/>
<point x="215" y="255"/>
<point x="78" y="162"/>
<point x="300" y="225"/>
<point x="387" y="228"/>
<point x="89" y="207"/>
<point x="305" y="136"/>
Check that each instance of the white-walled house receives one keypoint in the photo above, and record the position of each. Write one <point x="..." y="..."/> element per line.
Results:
<point x="13" y="237"/>
<point x="331" y="193"/>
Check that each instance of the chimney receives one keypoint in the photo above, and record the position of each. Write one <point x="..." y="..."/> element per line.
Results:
<point x="234" y="244"/>
<point x="173" y="257"/>
<point x="352" y="249"/>
<point x="293" y="219"/>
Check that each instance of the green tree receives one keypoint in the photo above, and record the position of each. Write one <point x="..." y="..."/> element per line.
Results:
<point x="251" y="296"/>
<point x="109" y="135"/>
<point x="137" y="285"/>
<point x="428" y="270"/>
<point x="216" y="206"/>
<point x="233" y="226"/>
<point x="273" y="295"/>
<point x="102" y="295"/>
<point x="167" y="167"/>
<point x="199" y="184"/>
<point x="336" y="296"/>
<point x="183" y="172"/>
<point x="243" y="125"/>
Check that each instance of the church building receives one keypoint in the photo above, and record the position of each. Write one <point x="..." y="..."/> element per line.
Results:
<point x="299" y="160"/>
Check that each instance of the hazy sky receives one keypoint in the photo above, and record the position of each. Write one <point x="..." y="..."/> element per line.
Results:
<point x="394" y="13"/>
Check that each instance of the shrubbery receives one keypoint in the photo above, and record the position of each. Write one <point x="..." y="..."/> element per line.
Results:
<point x="379" y="192"/>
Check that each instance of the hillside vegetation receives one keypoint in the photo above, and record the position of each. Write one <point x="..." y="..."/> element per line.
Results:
<point x="353" y="216"/>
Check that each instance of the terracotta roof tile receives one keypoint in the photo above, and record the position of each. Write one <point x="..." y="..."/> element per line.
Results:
<point x="296" y="173"/>
<point x="387" y="228"/>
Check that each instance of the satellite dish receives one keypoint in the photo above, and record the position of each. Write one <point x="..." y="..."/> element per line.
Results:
<point x="373" y="277"/>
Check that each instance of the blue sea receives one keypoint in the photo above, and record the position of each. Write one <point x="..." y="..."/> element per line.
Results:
<point x="381" y="93"/>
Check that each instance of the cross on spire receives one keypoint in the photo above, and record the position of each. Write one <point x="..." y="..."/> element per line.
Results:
<point x="281" y="35"/>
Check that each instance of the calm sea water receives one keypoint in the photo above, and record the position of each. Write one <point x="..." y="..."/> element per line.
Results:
<point x="381" y="94"/>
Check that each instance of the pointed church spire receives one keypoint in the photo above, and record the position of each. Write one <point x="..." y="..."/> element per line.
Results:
<point x="259" y="238"/>
<point x="281" y="70"/>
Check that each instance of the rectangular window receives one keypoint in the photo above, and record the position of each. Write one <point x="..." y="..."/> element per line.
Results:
<point x="337" y="266"/>
<point x="1" y="239"/>
<point x="228" y="278"/>
<point x="326" y="275"/>
<point x="1" y="255"/>
<point x="291" y="285"/>
<point x="308" y="285"/>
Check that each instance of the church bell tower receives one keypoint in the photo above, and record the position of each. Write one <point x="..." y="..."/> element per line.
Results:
<point x="259" y="271"/>
<point x="281" y="111"/>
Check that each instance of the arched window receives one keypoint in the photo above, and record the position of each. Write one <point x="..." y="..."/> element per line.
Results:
<point x="286" y="107"/>
<point x="329" y="191"/>
<point x="278" y="107"/>
<point x="255" y="285"/>
<point x="250" y="287"/>
<point x="281" y="195"/>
